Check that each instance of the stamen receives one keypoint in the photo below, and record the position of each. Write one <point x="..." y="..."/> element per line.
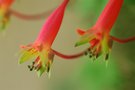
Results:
<point x="37" y="60"/>
<point x="33" y="63"/>
<point x="85" y="53"/>
<point x="38" y="66"/>
<point x="48" y="68"/>
<point x="90" y="50"/>
<point x="30" y="67"/>
<point x="90" y="56"/>
<point x="106" y="56"/>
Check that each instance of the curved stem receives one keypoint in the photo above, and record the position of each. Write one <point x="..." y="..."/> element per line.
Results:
<point x="123" y="40"/>
<point x="30" y="17"/>
<point x="69" y="56"/>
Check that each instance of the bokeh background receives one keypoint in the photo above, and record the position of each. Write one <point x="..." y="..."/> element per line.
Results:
<point x="77" y="74"/>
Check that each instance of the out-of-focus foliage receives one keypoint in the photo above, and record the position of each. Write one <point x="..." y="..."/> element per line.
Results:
<point x="88" y="10"/>
<point x="130" y="2"/>
<point x="125" y="27"/>
<point x="94" y="76"/>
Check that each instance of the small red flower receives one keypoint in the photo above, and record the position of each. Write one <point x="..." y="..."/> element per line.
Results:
<point x="99" y="35"/>
<point x="41" y="50"/>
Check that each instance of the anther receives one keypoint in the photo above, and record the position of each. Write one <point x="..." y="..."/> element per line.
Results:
<point x="33" y="63"/>
<point x="89" y="49"/>
<point x="31" y="69"/>
<point x="29" y="66"/>
<point x="85" y="53"/>
<point x="106" y="56"/>
<point x="90" y="56"/>
<point x="89" y="52"/>
<point x="48" y="68"/>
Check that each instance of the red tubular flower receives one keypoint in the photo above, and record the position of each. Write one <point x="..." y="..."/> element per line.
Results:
<point x="41" y="50"/>
<point x="4" y="12"/>
<point x="99" y="34"/>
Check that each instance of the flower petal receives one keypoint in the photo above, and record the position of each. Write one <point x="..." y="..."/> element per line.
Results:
<point x="43" y="57"/>
<point x="105" y="46"/>
<point x="41" y="71"/>
<point x="27" y="55"/>
<point x="84" y="39"/>
<point x="80" y="32"/>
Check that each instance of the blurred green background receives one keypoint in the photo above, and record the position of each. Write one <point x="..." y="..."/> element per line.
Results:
<point x="78" y="74"/>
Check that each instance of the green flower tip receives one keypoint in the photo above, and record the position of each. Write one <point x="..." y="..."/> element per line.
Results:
<point x="82" y="41"/>
<point x="77" y="44"/>
<point x="42" y="59"/>
<point x="100" y="43"/>
<point x="41" y="71"/>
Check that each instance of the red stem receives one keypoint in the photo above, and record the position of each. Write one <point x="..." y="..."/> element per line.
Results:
<point x="83" y="52"/>
<point x="123" y="40"/>
<point x="30" y="17"/>
<point x="69" y="56"/>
